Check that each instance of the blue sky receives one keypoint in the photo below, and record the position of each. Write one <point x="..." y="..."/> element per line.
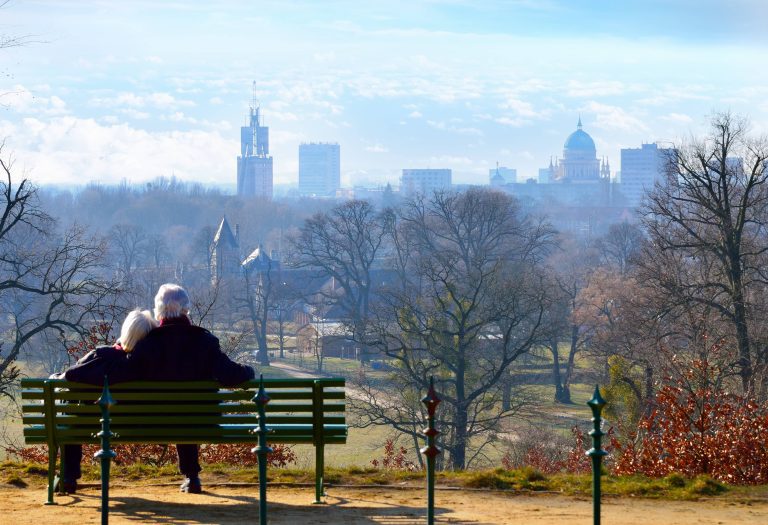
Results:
<point x="112" y="90"/>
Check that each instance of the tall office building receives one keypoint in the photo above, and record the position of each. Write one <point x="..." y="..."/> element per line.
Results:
<point x="424" y="181"/>
<point x="640" y="169"/>
<point x="254" y="165"/>
<point x="319" y="169"/>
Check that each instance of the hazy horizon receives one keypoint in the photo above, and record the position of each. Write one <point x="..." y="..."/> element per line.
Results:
<point x="109" y="91"/>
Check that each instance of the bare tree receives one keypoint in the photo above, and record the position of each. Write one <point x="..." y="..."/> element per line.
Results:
<point x="474" y="302"/>
<point x="572" y="268"/>
<point x="621" y="246"/>
<point x="128" y="241"/>
<point x="343" y="244"/>
<point x="50" y="282"/>
<point x="156" y="249"/>
<point x="710" y="211"/>
<point x="260" y="283"/>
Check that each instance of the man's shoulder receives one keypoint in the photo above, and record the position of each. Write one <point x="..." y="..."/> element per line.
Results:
<point x="169" y="332"/>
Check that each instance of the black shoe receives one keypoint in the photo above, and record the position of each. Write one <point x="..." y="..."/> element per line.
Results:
<point x="68" y="487"/>
<point x="192" y="485"/>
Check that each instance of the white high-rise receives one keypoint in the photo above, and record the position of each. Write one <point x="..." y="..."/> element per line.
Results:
<point x="424" y="181"/>
<point x="319" y="169"/>
<point x="640" y="169"/>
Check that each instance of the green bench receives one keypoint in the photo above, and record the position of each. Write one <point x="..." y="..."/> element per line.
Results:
<point x="57" y="412"/>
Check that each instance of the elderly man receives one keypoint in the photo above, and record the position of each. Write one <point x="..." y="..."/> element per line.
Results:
<point x="177" y="350"/>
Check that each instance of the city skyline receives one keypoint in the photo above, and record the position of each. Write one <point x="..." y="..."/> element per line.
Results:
<point x="106" y="92"/>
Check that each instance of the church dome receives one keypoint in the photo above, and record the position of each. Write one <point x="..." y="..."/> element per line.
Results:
<point x="579" y="140"/>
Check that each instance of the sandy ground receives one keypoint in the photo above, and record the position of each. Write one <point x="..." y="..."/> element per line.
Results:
<point x="232" y="504"/>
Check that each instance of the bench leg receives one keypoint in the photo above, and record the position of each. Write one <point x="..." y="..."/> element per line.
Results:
<point x="319" y="474"/>
<point x="52" y="453"/>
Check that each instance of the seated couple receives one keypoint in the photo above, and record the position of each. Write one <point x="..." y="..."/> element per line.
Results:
<point x="169" y="349"/>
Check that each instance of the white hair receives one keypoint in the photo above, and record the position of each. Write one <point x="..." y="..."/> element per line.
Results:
<point x="171" y="301"/>
<point x="136" y="326"/>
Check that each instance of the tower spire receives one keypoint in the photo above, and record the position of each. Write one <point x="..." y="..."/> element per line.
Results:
<point x="578" y="126"/>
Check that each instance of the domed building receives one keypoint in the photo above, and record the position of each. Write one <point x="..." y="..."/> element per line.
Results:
<point x="579" y="162"/>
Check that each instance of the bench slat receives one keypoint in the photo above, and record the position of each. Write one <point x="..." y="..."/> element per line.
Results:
<point x="223" y="419"/>
<point x="37" y="383"/>
<point x="184" y="408"/>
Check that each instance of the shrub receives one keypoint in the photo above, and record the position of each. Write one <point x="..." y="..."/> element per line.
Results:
<point x="394" y="459"/>
<point x="159" y="455"/>
<point x="550" y="457"/>
<point x="697" y="427"/>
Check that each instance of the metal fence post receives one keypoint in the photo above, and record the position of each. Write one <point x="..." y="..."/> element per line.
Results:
<point x="106" y="454"/>
<point x="596" y="453"/>
<point x="261" y="450"/>
<point x="431" y="451"/>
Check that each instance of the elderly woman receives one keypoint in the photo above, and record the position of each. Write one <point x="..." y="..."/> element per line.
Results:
<point x="109" y="361"/>
<point x="179" y="351"/>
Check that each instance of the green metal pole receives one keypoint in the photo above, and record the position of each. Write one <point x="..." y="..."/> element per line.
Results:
<point x="319" y="441"/>
<point x="53" y="447"/>
<point x="431" y="451"/>
<point x="106" y="454"/>
<point x="261" y="399"/>
<point x="596" y="453"/>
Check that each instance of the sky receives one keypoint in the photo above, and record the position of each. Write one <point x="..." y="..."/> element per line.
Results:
<point x="106" y="91"/>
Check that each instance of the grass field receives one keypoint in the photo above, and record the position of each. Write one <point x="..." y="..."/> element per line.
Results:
<point x="540" y="412"/>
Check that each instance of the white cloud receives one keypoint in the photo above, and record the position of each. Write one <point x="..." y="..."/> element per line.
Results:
<point x="178" y="116"/>
<point x="612" y="118"/>
<point x="449" y="161"/>
<point x="26" y="102"/>
<point x="415" y="114"/>
<point x="512" y="122"/>
<point x="520" y="108"/>
<point x="595" y="89"/>
<point x="76" y="150"/>
<point x="377" y="148"/>
<point x="677" y="117"/>
<point x="134" y="113"/>
<point x="159" y="100"/>
<point x="443" y="126"/>
<point x="215" y="101"/>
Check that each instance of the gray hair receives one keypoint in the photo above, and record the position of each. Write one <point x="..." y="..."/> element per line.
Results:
<point x="171" y="301"/>
<point x="136" y="326"/>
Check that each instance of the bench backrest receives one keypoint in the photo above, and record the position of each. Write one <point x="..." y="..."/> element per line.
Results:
<point x="300" y="411"/>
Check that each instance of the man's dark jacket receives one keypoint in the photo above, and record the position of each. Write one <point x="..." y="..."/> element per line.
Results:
<point x="179" y="351"/>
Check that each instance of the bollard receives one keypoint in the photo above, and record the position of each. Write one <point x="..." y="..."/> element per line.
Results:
<point x="431" y="451"/>
<point x="261" y="450"/>
<point x="105" y="455"/>
<point x="596" y="453"/>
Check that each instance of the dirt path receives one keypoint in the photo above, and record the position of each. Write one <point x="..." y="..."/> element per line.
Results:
<point x="231" y="505"/>
<point x="293" y="370"/>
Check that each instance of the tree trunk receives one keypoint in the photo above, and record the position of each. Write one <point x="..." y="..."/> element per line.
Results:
<point x="281" y="336"/>
<point x="649" y="397"/>
<point x="506" y="393"/>
<point x="571" y="364"/>
<point x="459" y="449"/>
<point x="556" y="371"/>
<point x="262" y="355"/>
<point x="742" y="335"/>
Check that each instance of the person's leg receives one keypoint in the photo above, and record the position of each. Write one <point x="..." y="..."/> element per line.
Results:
<point x="72" y="455"/>
<point x="190" y="467"/>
